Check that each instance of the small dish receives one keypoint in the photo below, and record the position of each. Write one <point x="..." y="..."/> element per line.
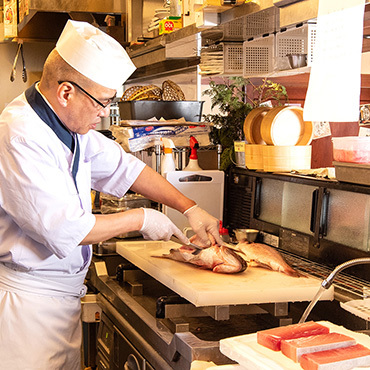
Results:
<point x="246" y="234"/>
<point x="297" y="60"/>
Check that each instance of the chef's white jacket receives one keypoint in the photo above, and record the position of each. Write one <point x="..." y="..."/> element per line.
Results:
<point x="43" y="217"/>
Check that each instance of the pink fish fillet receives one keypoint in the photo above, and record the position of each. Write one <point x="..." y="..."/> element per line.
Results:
<point x="271" y="338"/>
<point x="341" y="358"/>
<point x="262" y="255"/>
<point x="218" y="259"/>
<point x="295" y="348"/>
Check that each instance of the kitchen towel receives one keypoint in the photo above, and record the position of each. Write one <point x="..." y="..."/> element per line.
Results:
<point x="335" y="82"/>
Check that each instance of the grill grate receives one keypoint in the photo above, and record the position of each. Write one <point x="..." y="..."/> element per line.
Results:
<point x="239" y="210"/>
<point x="344" y="283"/>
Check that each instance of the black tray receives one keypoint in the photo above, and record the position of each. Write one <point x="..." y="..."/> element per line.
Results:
<point x="146" y="109"/>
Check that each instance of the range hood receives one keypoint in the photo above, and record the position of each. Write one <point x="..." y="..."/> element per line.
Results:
<point x="45" y="19"/>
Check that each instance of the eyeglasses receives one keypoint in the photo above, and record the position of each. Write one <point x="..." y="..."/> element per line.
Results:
<point x="110" y="100"/>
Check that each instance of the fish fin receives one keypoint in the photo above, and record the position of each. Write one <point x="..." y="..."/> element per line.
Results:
<point x="255" y="263"/>
<point x="227" y="269"/>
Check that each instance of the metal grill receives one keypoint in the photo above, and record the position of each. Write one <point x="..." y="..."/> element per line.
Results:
<point x="238" y="214"/>
<point x="343" y="283"/>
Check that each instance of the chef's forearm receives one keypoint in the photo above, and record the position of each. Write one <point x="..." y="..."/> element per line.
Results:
<point x="110" y="225"/>
<point x="155" y="187"/>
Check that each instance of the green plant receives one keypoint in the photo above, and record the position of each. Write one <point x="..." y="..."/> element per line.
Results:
<point x="235" y="98"/>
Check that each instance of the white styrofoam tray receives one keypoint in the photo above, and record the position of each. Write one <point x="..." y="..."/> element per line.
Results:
<point x="245" y="350"/>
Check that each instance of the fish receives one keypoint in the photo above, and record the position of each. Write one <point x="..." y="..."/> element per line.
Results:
<point x="219" y="259"/>
<point x="262" y="255"/>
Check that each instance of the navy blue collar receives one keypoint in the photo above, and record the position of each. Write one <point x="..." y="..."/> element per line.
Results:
<point x="47" y="115"/>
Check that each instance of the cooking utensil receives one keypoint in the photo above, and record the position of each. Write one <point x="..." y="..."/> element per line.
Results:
<point x="24" y="71"/>
<point x="248" y="234"/>
<point x="297" y="60"/>
<point x="284" y="125"/>
<point x="197" y="248"/>
<point x="205" y="288"/>
<point x="13" y="72"/>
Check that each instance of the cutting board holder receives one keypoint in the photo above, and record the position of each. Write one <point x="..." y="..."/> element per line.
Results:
<point x="205" y="187"/>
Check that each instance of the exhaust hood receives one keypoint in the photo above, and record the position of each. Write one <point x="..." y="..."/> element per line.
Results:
<point x="45" y="19"/>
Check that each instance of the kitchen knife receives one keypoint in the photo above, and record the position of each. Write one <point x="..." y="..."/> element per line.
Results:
<point x="197" y="248"/>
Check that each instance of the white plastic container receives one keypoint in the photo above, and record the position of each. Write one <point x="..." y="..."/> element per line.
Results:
<point x="352" y="149"/>
<point x="168" y="162"/>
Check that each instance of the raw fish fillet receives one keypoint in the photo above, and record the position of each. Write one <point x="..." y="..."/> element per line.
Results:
<point x="340" y="358"/>
<point x="218" y="259"/>
<point x="295" y="348"/>
<point x="262" y="255"/>
<point x="271" y="338"/>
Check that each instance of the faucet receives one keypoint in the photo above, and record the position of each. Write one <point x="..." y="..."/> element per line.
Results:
<point x="357" y="261"/>
<point x="329" y="281"/>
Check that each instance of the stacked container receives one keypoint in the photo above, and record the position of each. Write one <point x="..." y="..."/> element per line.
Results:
<point x="278" y="139"/>
<point x="351" y="156"/>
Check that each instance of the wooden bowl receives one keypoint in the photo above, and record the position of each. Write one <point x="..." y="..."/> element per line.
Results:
<point x="285" y="126"/>
<point x="252" y="125"/>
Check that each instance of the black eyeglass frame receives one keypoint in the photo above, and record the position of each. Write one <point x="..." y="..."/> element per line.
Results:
<point x="110" y="100"/>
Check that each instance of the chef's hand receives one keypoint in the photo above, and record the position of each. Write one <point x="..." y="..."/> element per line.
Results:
<point x="157" y="226"/>
<point x="203" y="223"/>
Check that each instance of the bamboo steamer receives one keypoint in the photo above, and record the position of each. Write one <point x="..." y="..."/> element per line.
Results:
<point x="254" y="156"/>
<point x="286" y="158"/>
<point x="285" y="126"/>
<point x="252" y="125"/>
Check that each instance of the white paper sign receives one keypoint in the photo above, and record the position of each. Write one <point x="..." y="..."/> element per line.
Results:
<point x="335" y="81"/>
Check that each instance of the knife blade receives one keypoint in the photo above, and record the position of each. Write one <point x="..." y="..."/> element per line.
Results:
<point x="197" y="248"/>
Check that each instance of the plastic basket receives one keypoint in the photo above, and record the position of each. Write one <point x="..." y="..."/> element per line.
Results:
<point x="258" y="56"/>
<point x="224" y="58"/>
<point x="261" y="23"/>
<point x="296" y="40"/>
<point x="233" y="30"/>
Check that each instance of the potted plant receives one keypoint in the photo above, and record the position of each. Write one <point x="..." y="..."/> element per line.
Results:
<point x="235" y="97"/>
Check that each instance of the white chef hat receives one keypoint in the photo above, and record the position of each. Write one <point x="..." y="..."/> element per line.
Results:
<point x="94" y="54"/>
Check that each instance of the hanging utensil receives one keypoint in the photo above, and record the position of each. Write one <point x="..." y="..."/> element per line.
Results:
<point x="13" y="73"/>
<point x="24" y="71"/>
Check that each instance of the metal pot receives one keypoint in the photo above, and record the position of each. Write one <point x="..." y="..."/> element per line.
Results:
<point x="297" y="60"/>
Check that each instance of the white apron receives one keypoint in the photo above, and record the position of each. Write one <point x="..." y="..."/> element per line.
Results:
<point x="40" y="327"/>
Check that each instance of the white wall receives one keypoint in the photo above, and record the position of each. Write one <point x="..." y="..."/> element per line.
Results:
<point x="34" y="54"/>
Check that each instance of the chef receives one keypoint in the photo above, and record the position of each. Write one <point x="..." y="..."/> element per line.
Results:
<point x="50" y="159"/>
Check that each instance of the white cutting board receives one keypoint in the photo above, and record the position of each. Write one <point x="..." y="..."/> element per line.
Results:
<point x="245" y="350"/>
<point x="209" y="195"/>
<point x="206" y="288"/>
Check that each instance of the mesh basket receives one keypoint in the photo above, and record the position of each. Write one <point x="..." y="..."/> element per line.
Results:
<point x="258" y="56"/>
<point x="261" y="23"/>
<point x="297" y="40"/>
<point x="224" y="58"/>
<point x="233" y="30"/>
